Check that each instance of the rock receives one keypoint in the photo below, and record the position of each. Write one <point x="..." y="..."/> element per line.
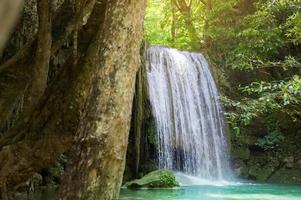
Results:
<point x="240" y="168"/>
<point x="243" y="171"/>
<point x="299" y="163"/>
<point x="155" y="179"/>
<point x="36" y="180"/>
<point x="241" y="153"/>
<point x="261" y="173"/>
<point x="289" y="162"/>
<point x="286" y="176"/>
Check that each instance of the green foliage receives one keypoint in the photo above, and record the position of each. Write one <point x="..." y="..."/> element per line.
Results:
<point x="270" y="141"/>
<point x="156" y="29"/>
<point x="274" y="97"/>
<point x="168" y="179"/>
<point x="155" y="179"/>
<point x="263" y="40"/>
<point x="294" y="28"/>
<point x="151" y="134"/>
<point x="264" y="36"/>
<point x="166" y="25"/>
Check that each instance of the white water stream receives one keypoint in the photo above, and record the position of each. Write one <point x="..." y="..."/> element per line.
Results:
<point x="190" y="124"/>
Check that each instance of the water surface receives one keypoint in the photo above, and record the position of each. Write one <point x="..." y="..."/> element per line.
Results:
<point x="230" y="192"/>
<point x="202" y="192"/>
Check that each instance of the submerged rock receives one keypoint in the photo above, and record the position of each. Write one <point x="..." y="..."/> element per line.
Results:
<point x="155" y="179"/>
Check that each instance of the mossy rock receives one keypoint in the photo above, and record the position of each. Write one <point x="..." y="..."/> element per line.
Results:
<point x="241" y="153"/>
<point x="286" y="176"/>
<point x="155" y="179"/>
<point x="261" y="173"/>
<point x="244" y="171"/>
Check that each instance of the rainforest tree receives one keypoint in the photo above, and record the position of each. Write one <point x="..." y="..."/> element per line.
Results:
<point x="78" y="66"/>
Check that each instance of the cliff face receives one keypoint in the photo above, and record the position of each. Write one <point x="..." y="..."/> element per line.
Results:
<point x="278" y="162"/>
<point x="265" y="137"/>
<point x="255" y="154"/>
<point x="141" y="157"/>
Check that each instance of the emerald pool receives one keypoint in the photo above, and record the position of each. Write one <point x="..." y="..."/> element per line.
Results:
<point x="244" y="191"/>
<point x="214" y="192"/>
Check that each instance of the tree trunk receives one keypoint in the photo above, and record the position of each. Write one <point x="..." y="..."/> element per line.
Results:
<point x="10" y="11"/>
<point x="54" y="123"/>
<point x="195" y="40"/>
<point x="206" y="25"/>
<point x="40" y="67"/>
<point x="91" y="97"/>
<point x="97" y="166"/>
<point x="186" y="11"/>
<point x="173" y="22"/>
<point x="23" y="79"/>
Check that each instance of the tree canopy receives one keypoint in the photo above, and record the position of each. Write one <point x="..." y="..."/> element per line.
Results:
<point x="257" y="40"/>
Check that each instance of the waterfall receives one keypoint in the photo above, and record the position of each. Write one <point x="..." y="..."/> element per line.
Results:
<point x="191" y="135"/>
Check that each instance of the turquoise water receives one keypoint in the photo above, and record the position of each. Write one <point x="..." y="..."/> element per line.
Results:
<point x="234" y="192"/>
<point x="203" y="192"/>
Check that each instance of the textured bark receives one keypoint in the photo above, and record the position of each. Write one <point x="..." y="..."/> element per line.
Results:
<point x="91" y="97"/>
<point x="54" y="123"/>
<point x="10" y="11"/>
<point x="97" y="166"/>
<point x="22" y="74"/>
<point x="41" y="66"/>
<point x="50" y="131"/>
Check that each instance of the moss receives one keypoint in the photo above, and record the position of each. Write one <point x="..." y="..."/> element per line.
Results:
<point x="261" y="173"/>
<point x="155" y="179"/>
<point x="151" y="134"/>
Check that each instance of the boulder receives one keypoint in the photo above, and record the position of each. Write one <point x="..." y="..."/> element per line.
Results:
<point x="155" y="179"/>
<point x="261" y="173"/>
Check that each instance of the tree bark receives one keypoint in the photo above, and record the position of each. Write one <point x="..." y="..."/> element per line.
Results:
<point x="97" y="166"/>
<point x="10" y="11"/>
<point x="41" y="66"/>
<point x="91" y="98"/>
<point x="54" y="123"/>
<point x="18" y="87"/>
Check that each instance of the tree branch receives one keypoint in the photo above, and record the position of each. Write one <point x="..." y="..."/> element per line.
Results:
<point x="203" y="1"/>
<point x="60" y="35"/>
<point x="190" y="4"/>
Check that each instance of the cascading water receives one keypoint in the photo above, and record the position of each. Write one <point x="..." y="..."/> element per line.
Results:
<point x="189" y="119"/>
